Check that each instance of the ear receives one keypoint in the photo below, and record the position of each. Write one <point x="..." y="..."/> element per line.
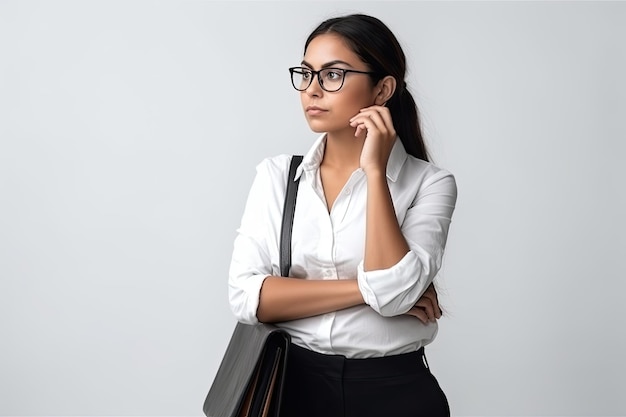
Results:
<point x="385" y="89"/>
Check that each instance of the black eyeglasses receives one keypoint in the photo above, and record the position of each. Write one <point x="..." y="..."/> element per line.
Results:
<point x="330" y="79"/>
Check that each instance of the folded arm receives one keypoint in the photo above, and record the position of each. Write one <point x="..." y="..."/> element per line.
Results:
<point x="392" y="276"/>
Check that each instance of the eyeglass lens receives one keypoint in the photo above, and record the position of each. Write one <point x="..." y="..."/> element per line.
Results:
<point x="331" y="79"/>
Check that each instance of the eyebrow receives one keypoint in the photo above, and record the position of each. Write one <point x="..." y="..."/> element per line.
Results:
<point x="328" y="64"/>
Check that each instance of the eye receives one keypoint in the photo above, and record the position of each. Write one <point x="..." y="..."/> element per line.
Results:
<point x="333" y="74"/>
<point x="306" y="74"/>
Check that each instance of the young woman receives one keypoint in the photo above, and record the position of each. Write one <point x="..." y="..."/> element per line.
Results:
<point x="370" y="226"/>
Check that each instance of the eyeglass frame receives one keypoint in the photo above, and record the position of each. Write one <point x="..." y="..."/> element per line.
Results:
<point x="319" y="78"/>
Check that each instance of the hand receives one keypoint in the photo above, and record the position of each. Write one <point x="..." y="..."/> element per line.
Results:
<point x="427" y="307"/>
<point x="376" y="123"/>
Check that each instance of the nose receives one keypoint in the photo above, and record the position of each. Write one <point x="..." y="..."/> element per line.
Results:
<point x="314" y="89"/>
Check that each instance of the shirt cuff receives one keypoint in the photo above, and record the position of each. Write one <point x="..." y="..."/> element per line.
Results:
<point x="384" y="289"/>
<point x="244" y="300"/>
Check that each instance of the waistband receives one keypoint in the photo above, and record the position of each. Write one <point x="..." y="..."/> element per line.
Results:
<point x="338" y="366"/>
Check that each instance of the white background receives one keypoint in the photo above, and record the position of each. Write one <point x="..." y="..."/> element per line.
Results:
<point x="129" y="133"/>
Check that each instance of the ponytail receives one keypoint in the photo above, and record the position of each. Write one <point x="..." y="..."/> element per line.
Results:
<point x="405" y="116"/>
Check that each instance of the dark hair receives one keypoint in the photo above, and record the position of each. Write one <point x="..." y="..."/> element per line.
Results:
<point x="377" y="46"/>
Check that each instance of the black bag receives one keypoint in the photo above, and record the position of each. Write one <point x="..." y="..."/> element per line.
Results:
<point x="249" y="381"/>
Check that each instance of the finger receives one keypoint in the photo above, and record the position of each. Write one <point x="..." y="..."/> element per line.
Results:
<point x="365" y="122"/>
<point x="431" y="294"/>
<point x="385" y="114"/>
<point x="369" y="109"/>
<point x="379" y="122"/>
<point x="438" y="312"/>
<point x="426" y="304"/>
<point x="430" y="290"/>
<point x="361" y="118"/>
<point x="377" y="118"/>
<point x="368" y="112"/>
<point x="375" y="108"/>
<point x="435" y="298"/>
<point x="358" y="128"/>
<point x="419" y="313"/>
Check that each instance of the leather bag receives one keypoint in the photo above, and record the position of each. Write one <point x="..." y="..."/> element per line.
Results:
<point x="249" y="380"/>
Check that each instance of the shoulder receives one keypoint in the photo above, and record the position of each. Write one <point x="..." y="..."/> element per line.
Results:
<point x="271" y="172"/>
<point x="428" y="171"/>
<point x="274" y="166"/>
<point x="428" y="176"/>
<point x="269" y="184"/>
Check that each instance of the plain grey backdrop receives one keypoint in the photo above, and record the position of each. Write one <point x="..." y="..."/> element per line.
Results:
<point x="129" y="136"/>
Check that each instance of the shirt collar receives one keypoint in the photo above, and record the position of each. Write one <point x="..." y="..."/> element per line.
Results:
<point x="396" y="160"/>
<point x="313" y="158"/>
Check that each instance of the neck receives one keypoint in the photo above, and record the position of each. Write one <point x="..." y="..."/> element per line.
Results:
<point x="343" y="149"/>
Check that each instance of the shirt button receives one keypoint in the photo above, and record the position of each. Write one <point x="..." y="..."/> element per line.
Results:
<point x="348" y="191"/>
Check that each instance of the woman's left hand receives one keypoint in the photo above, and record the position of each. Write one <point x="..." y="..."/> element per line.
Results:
<point x="376" y="123"/>
<point x="427" y="307"/>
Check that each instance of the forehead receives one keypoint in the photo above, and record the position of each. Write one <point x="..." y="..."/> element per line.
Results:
<point x="328" y="48"/>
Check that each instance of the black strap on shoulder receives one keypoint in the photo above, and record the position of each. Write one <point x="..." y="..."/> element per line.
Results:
<point x="288" y="212"/>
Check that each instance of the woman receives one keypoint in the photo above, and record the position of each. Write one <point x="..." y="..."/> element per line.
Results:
<point x="370" y="226"/>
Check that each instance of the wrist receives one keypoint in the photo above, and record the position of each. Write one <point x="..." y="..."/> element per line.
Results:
<point x="375" y="173"/>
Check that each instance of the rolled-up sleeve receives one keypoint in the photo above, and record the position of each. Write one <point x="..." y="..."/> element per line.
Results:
<point x="251" y="263"/>
<point x="393" y="291"/>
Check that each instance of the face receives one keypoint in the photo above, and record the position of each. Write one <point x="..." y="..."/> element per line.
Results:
<point x="331" y="112"/>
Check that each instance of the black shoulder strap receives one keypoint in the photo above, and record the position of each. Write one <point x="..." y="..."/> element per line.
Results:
<point x="288" y="211"/>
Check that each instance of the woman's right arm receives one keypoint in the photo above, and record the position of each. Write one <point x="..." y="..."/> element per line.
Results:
<point x="283" y="299"/>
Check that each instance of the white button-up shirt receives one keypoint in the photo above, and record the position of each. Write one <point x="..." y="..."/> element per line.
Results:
<point x="331" y="246"/>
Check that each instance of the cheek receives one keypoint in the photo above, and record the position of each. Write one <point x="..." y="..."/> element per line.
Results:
<point x="353" y="102"/>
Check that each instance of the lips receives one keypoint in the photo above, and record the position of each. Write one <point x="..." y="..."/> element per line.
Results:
<point x="314" y="110"/>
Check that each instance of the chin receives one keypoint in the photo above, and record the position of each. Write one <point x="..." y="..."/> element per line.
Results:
<point x="317" y="127"/>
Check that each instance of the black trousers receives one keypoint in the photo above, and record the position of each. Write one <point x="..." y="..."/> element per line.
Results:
<point x="319" y="385"/>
